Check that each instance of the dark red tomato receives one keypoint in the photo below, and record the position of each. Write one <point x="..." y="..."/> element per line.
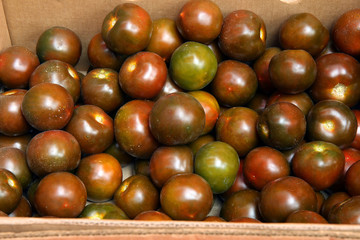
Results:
<point x="136" y="194"/>
<point x="16" y="65"/>
<point x="331" y="121"/>
<point x="338" y="78"/>
<point x="281" y="197"/>
<point x="165" y="38"/>
<point x="10" y="191"/>
<point x="261" y="68"/>
<point x="177" y="118"/>
<point x="142" y="166"/>
<point x="53" y="151"/>
<point x="199" y="142"/>
<point x="237" y="127"/>
<point x="193" y="66"/>
<point x="23" y="209"/>
<point x="14" y="160"/>
<point x="12" y="121"/>
<point x="289" y="154"/>
<point x="200" y="21"/>
<point x="60" y="194"/>
<point x="305" y="216"/>
<point x="19" y="142"/>
<point x="186" y="197"/>
<point x="93" y="129"/>
<point x="216" y="50"/>
<point x="356" y="142"/>
<point x="132" y="130"/>
<point x="152" y="216"/>
<point x="211" y="108"/>
<point x="320" y="201"/>
<point x="169" y="87"/>
<point x="100" y="87"/>
<point x="30" y="194"/>
<point x="331" y="201"/>
<point x="346" y="32"/>
<point x="263" y="165"/>
<point x="57" y="72"/>
<point x="166" y="162"/>
<point x="235" y="83"/>
<point x="319" y="163"/>
<point x="245" y="220"/>
<point x="103" y="211"/>
<point x="258" y="102"/>
<point x="59" y="43"/>
<point x="292" y="71"/>
<point x="352" y="179"/>
<point x="330" y="48"/>
<point x="117" y="152"/>
<point x="143" y="75"/>
<point x="214" y="219"/>
<point x="301" y="100"/>
<point x="47" y="106"/>
<point x="101" y="174"/>
<point x="243" y="36"/>
<point x="100" y="56"/>
<point x="241" y="204"/>
<point x="218" y="163"/>
<point x="348" y="212"/>
<point x="282" y="125"/>
<point x="352" y="155"/>
<point x="304" y="31"/>
<point x="127" y="29"/>
<point x="239" y="183"/>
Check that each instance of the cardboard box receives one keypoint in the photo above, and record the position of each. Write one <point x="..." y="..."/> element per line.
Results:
<point x="22" y="22"/>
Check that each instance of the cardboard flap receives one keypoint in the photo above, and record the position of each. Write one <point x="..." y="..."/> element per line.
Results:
<point x="5" y="40"/>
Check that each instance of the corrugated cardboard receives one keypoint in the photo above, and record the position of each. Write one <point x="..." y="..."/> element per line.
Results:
<point x="22" y="22"/>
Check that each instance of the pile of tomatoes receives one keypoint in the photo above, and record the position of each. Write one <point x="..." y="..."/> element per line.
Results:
<point x="199" y="106"/>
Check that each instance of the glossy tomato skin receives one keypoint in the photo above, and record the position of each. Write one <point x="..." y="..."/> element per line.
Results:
<point x="319" y="163"/>
<point x="193" y="66"/>
<point x="152" y="216"/>
<point x="168" y="123"/>
<point x="101" y="174"/>
<point x="119" y="37"/>
<point x="292" y="71"/>
<point x="239" y="183"/>
<point x="59" y="43"/>
<point x="356" y="142"/>
<point x="200" y="21"/>
<point x="301" y="100"/>
<point x="117" y="152"/>
<point x="142" y="167"/>
<point x="12" y="121"/>
<point x="263" y="165"/>
<point x="216" y="50"/>
<point x="105" y="210"/>
<point x="177" y="199"/>
<point x="199" y="142"/>
<point x="338" y="78"/>
<point x="100" y="87"/>
<point x="346" y="33"/>
<point x="320" y="201"/>
<point x="305" y="216"/>
<point x="332" y="201"/>
<point x="331" y="121"/>
<point x="352" y="179"/>
<point x="304" y="31"/>
<point x="16" y="65"/>
<point x="23" y="209"/>
<point x="243" y="203"/>
<point x="60" y="194"/>
<point x="14" y="160"/>
<point x="235" y="83"/>
<point x="211" y="108"/>
<point x="282" y="125"/>
<point x="165" y="38"/>
<point x="258" y="102"/>
<point x="47" y="106"/>
<point x="143" y="75"/>
<point x="132" y="132"/>
<point x="100" y="56"/>
<point x="53" y="151"/>
<point x="348" y="212"/>
<point x="92" y="127"/>
<point x="57" y="72"/>
<point x="136" y="194"/>
<point x="169" y="87"/>
<point x="243" y="36"/>
<point x="19" y="142"/>
<point x="290" y="194"/>
<point x="10" y="191"/>
<point x="237" y="127"/>
<point x="217" y="162"/>
<point x="168" y="161"/>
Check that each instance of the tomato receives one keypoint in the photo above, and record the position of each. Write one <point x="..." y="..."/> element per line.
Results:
<point x="23" y="209"/>
<point x="152" y="216"/>
<point x="103" y="211"/>
<point x="305" y="216"/>
<point x="10" y="191"/>
<point x="352" y="179"/>
<point x="301" y="100"/>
